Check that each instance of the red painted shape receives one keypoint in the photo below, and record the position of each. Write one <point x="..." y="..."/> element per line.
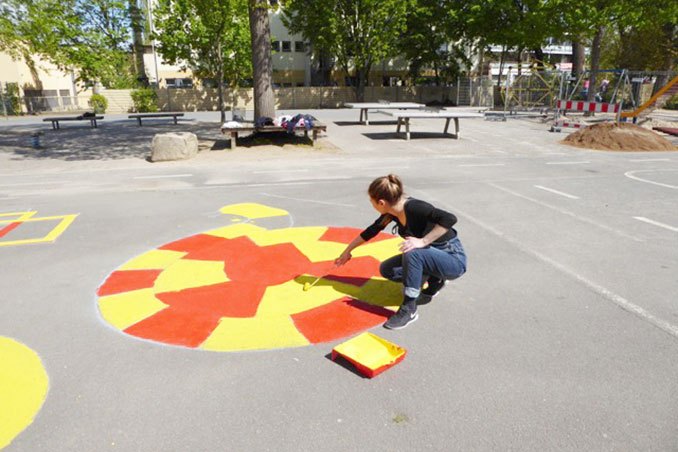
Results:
<point x="193" y="243"/>
<point x="8" y="228"/>
<point x="346" y="235"/>
<point x="229" y="299"/>
<point x="339" y="319"/>
<point x="175" y="327"/>
<point x="126" y="280"/>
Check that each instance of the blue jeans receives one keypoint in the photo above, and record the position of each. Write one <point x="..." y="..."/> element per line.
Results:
<point x="446" y="261"/>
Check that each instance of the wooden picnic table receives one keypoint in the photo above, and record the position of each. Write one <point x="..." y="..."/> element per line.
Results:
<point x="249" y="127"/>
<point x="364" y="106"/>
<point x="140" y="116"/>
<point x="55" y="120"/>
<point x="405" y="116"/>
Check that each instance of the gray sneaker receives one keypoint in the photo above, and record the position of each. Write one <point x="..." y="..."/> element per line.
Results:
<point x="401" y="319"/>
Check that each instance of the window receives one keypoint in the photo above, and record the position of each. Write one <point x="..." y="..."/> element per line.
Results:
<point x="299" y="46"/>
<point x="286" y="46"/>
<point x="179" y="82"/>
<point x="275" y="46"/>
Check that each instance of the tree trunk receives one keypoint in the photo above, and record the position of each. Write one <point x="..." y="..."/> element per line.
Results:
<point x="136" y="19"/>
<point x="360" y="87"/>
<point x="501" y="64"/>
<point x="539" y="56"/>
<point x="260" y="30"/>
<point x="667" y="38"/>
<point x="220" y="82"/>
<point x="578" y="59"/>
<point x="595" y="63"/>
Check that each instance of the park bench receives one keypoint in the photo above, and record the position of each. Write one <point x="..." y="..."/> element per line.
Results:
<point x="405" y="116"/>
<point x="250" y="127"/>
<point x="140" y="116"/>
<point x="381" y="105"/>
<point x="55" y="120"/>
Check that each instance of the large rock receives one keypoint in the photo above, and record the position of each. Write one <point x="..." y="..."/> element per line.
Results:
<point x="174" y="146"/>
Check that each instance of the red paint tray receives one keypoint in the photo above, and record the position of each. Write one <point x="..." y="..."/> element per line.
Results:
<point x="370" y="354"/>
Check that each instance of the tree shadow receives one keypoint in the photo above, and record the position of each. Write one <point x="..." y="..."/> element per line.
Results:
<point x="112" y="140"/>
<point x="413" y="135"/>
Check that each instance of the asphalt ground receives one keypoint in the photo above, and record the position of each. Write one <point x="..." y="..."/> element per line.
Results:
<point x="562" y="335"/>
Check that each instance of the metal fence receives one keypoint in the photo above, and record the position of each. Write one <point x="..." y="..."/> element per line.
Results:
<point x="43" y="104"/>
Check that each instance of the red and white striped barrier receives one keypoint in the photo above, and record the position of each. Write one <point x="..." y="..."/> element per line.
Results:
<point x="575" y="125"/>
<point x="576" y="105"/>
<point x="593" y="107"/>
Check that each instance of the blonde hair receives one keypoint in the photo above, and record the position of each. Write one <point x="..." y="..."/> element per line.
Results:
<point x="389" y="188"/>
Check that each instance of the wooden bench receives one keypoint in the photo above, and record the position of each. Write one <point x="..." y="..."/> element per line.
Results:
<point x="249" y="127"/>
<point x="364" y="106"/>
<point x="139" y="116"/>
<point x="55" y="120"/>
<point x="405" y="116"/>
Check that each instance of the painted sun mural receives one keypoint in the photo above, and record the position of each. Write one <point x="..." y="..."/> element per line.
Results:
<point x="240" y="287"/>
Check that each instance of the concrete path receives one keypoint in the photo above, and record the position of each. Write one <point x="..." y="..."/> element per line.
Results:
<point x="562" y="335"/>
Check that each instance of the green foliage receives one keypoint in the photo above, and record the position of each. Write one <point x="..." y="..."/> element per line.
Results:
<point x="10" y="97"/>
<point x="357" y="34"/>
<point x="145" y="100"/>
<point x="672" y="103"/>
<point x="98" y="103"/>
<point x="206" y="36"/>
<point x="89" y="36"/>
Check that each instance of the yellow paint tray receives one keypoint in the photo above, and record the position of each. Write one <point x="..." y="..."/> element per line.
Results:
<point x="370" y="354"/>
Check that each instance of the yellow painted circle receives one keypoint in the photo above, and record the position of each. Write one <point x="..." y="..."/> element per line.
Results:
<point x="23" y="387"/>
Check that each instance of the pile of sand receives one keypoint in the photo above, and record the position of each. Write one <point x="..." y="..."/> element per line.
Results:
<point x="610" y="136"/>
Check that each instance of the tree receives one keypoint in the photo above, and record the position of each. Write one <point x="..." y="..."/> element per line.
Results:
<point x="260" y="33"/>
<point x="357" y="33"/>
<point x="137" y="25"/>
<point x="209" y="37"/>
<point x="90" y="37"/>
<point x="430" y="40"/>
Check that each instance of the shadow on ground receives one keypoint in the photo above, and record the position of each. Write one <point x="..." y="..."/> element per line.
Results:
<point x="112" y="140"/>
<point x="413" y="135"/>
<point x="123" y="139"/>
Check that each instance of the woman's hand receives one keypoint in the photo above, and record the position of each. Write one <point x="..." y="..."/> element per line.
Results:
<point x="341" y="260"/>
<point x="412" y="243"/>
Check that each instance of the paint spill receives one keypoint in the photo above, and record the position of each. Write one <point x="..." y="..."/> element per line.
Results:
<point x="23" y="387"/>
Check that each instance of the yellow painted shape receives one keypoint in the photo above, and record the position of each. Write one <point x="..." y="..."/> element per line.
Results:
<point x="377" y="291"/>
<point x="52" y="235"/>
<point x="188" y="273"/>
<point x="289" y="235"/>
<point x="381" y="250"/>
<point x="125" y="309"/>
<point x="23" y="387"/>
<point x="21" y="216"/>
<point x="254" y="333"/>
<point x="237" y="230"/>
<point x="370" y="350"/>
<point x="290" y="297"/>
<point x="252" y="210"/>
<point x="153" y="260"/>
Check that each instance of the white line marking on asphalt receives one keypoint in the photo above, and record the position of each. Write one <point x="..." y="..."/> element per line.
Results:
<point x="163" y="176"/>
<point x="657" y="223"/>
<point x="630" y="175"/>
<point x="468" y="165"/>
<point x="306" y="170"/>
<point x="568" y="163"/>
<point x="620" y="301"/>
<point x="557" y="192"/>
<point x="220" y="183"/>
<point x="649" y="160"/>
<point x="567" y="212"/>
<point x="309" y="200"/>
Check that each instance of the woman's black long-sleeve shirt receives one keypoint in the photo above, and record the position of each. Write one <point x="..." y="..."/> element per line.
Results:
<point x="420" y="218"/>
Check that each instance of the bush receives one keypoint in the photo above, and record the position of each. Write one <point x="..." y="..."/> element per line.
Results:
<point x="11" y="99"/>
<point x="145" y="100"/>
<point x="98" y="103"/>
<point x="672" y="103"/>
